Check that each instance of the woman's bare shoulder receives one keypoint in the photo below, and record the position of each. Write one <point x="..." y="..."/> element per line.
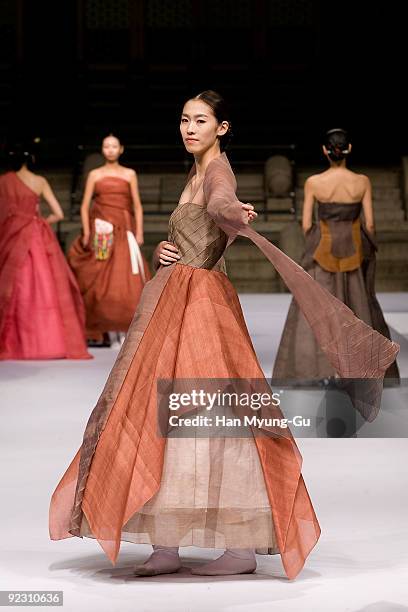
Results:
<point x="360" y="179"/>
<point x="316" y="177"/>
<point x="95" y="174"/>
<point x="314" y="180"/>
<point x="38" y="181"/>
<point x="364" y="178"/>
<point x="127" y="172"/>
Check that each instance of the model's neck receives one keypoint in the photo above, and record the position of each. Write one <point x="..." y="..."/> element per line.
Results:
<point x="23" y="170"/>
<point x="202" y="161"/>
<point x="339" y="164"/>
<point x="112" y="165"/>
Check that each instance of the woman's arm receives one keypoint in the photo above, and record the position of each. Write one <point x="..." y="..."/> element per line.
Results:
<point x="367" y="202"/>
<point x="137" y="207"/>
<point x="308" y="202"/>
<point x="48" y="195"/>
<point x="86" y="202"/>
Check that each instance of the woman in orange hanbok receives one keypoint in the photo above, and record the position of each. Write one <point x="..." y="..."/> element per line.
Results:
<point x="107" y="260"/>
<point x="127" y="482"/>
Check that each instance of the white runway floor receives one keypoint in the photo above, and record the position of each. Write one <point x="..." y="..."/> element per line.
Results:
<point x="359" y="489"/>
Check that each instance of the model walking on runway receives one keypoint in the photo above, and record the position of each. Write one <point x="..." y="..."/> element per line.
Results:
<point x="42" y="315"/>
<point x="339" y="254"/>
<point x="127" y="482"/>
<point x="107" y="259"/>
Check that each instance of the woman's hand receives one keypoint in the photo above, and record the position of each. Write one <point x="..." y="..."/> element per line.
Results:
<point x="167" y="253"/>
<point x="370" y="229"/>
<point x="139" y="239"/>
<point x="85" y="240"/>
<point x="53" y="219"/>
<point x="251" y="212"/>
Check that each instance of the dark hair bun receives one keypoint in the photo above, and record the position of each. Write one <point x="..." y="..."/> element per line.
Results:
<point x="20" y="155"/>
<point x="337" y="144"/>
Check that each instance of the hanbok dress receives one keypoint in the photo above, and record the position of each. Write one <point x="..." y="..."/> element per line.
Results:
<point x="111" y="271"/>
<point x="341" y="256"/>
<point x="42" y="314"/>
<point x="127" y="482"/>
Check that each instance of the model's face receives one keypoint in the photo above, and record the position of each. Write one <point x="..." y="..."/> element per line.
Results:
<point x="111" y="148"/>
<point x="199" y="128"/>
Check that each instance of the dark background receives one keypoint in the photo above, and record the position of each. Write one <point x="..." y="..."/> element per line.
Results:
<point x="290" y="69"/>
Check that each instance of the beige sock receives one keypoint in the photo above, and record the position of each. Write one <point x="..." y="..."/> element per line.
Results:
<point x="233" y="561"/>
<point x="163" y="560"/>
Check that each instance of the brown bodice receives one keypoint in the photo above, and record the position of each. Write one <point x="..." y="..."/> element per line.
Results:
<point x="201" y="243"/>
<point x="340" y="246"/>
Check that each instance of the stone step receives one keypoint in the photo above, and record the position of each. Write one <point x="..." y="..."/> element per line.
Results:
<point x="389" y="251"/>
<point x="386" y="226"/>
<point x="248" y="270"/>
<point x="58" y="180"/>
<point x="157" y="207"/>
<point x="255" y="179"/>
<point x="388" y="215"/>
<point x="388" y="205"/>
<point x="386" y="193"/>
<point x="65" y="205"/>
<point x="63" y="195"/>
<point x="382" y="177"/>
<point x="156" y="224"/>
<point x="391" y="275"/>
<point x="257" y="286"/>
<point x="243" y="250"/>
<point x="398" y="227"/>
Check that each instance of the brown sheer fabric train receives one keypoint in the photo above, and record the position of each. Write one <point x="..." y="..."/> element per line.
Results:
<point x="122" y="483"/>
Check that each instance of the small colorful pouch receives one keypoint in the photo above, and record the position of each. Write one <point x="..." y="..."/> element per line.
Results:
<point x="103" y="239"/>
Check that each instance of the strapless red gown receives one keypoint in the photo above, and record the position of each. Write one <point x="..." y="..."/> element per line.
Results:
<point x="110" y="288"/>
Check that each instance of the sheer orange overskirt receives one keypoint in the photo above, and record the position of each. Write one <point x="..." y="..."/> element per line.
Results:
<point x="197" y="330"/>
